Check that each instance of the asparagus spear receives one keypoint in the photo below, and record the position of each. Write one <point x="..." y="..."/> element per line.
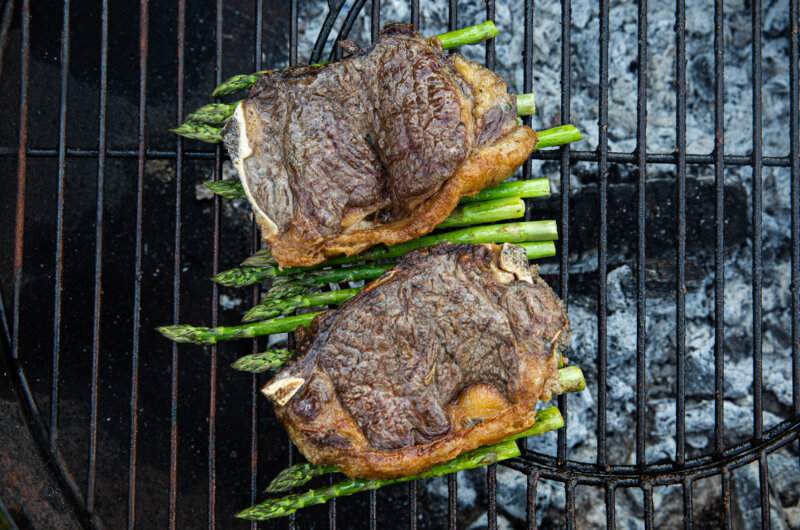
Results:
<point x="452" y="39"/>
<point x="561" y="135"/>
<point x="503" y="233"/>
<point x="526" y="104"/>
<point x="204" y="335"/>
<point x="232" y="189"/>
<point x="485" y="212"/>
<point x="546" y="420"/>
<point x="571" y="380"/>
<point x="300" y="283"/>
<point x="262" y="362"/>
<point x="521" y="189"/>
<point x="229" y="189"/>
<point x="289" y="305"/>
<point x="206" y="123"/>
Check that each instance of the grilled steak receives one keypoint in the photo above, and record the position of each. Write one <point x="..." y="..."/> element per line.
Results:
<point x="448" y="351"/>
<point x="376" y="148"/>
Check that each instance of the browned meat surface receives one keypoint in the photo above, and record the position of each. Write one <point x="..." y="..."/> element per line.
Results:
<point x="448" y="351"/>
<point x="375" y="148"/>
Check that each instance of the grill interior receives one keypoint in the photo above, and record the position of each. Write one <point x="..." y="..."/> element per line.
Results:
<point x="107" y="238"/>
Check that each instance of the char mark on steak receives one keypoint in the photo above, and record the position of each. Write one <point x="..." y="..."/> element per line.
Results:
<point x="376" y="148"/>
<point x="447" y="351"/>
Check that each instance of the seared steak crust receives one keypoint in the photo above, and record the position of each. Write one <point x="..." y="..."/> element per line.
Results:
<point x="394" y="381"/>
<point x="375" y="148"/>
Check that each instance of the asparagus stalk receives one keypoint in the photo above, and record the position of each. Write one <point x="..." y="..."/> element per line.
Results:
<point x="285" y="306"/>
<point x="245" y="276"/>
<point x="503" y="233"/>
<point x="206" y="123"/>
<point x="561" y="135"/>
<point x="286" y="286"/>
<point x="526" y="105"/>
<point x="229" y="189"/>
<point x="262" y="362"/>
<point x="452" y="39"/>
<point x="299" y="283"/>
<point x="485" y="212"/>
<point x="521" y="188"/>
<point x="204" y="335"/>
<point x="232" y="189"/>
<point x="546" y="420"/>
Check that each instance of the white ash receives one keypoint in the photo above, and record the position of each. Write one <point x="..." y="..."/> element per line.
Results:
<point x="661" y="327"/>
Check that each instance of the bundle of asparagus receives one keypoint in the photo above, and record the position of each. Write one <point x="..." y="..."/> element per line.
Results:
<point x="291" y="288"/>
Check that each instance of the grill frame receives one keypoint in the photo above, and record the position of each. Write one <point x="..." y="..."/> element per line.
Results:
<point x="683" y="471"/>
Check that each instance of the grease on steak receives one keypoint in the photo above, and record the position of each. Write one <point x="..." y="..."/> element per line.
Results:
<point x="375" y="148"/>
<point x="445" y="352"/>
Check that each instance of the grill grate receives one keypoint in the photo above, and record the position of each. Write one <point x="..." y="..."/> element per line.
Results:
<point x="641" y="475"/>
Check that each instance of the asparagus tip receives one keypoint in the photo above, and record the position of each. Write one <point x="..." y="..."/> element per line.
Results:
<point x="182" y="333"/>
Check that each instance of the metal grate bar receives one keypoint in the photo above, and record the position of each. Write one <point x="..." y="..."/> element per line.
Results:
<point x="490" y="55"/>
<point x="415" y="13"/>
<point x="527" y="80"/>
<point x="611" y="506"/>
<point x="545" y="154"/>
<point x="726" y="498"/>
<point x="214" y="350"/>
<point x="757" y="266"/>
<point x="569" y="507"/>
<point x="144" y="20"/>
<point x="491" y="490"/>
<point x="530" y="507"/>
<point x="566" y="94"/>
<point x="688" y="508"/>
<point x="176" y="265"/>
<point x="255" y="243"/>
<point x="680" y="281"/>
<point x="22" y="166"/>
<point x="5" y="25"/>
<point x="375" y="26"/>
<point x="293" y="35"/>
<point x="602" y="246"/>
<point x="452" y="479"/>
<point x="641" y="293"/>
<point x="647" y="497"/>
<point x="794" y="100"/>
<point x="98" y="258"/>
<point x="763" y="474"/>
<point x="59" y="258"/>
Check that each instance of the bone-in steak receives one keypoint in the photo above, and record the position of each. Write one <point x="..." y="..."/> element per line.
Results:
<point x="448" y="351"/>
<point x="375" y="148"/>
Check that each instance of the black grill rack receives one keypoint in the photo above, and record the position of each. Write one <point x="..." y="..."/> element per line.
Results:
<point x="35" y="396"/>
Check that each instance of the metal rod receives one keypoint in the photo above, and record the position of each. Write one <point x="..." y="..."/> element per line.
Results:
<point x="530" y="507"/>
<point x="59" y="257"/>
<point x="641" y="294"/>
<point x="611" y="506"/>
<point x="214" y="352"/>
<point x="719" y="225"/>
<point x="680" y="277"/>
<point x="566" y="94"/>
<point x="144" y="20"/>
<point x="98" y="258"/>
<point x="569" y="506"/>
<point x="255" y="243"/>
<point x="490" y="53"/>
<point x="544" y="154"/>
<point x="688" y="504"/>
<point x="758" y="423"/>
<point x="491" y="490"/>
<point x="527" y="82"/>
<point x="602" y="244"/>
<point x="5" y="25"/>
<point x="763" y="477"/>
<point x="794" y="150"/>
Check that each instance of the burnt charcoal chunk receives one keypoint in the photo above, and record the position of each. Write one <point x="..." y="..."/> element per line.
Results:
<point x="447" y="351"/>
<point x="375" y="148"/>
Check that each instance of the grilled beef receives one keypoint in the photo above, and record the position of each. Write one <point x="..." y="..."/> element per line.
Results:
<point x="448" y="351"/>
<point x="376" y="148"/>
